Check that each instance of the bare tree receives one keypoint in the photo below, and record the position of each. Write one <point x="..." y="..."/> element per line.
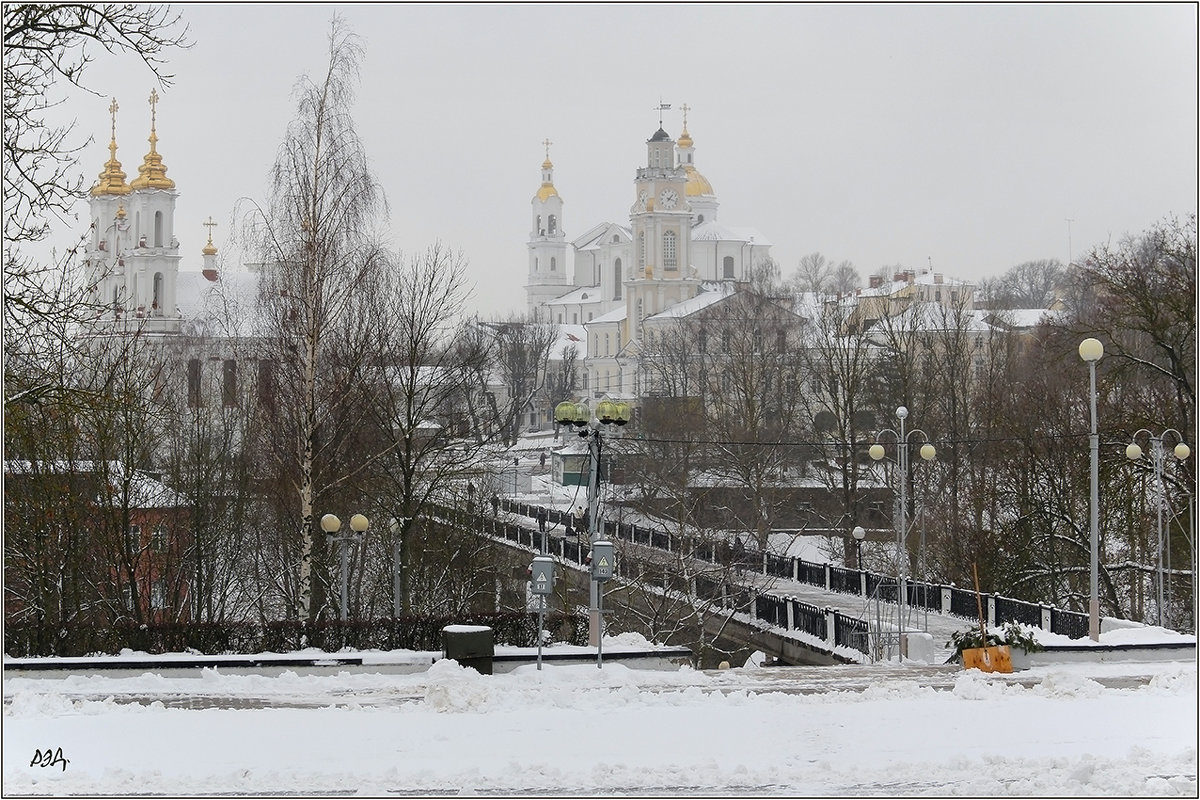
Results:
<point x="318" y="245"/>
<point x="45" y="45"/>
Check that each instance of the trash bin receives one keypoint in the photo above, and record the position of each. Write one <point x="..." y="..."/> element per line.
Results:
<point x="470" y="645"/>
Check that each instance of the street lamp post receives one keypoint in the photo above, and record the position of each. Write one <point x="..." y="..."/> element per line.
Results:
<point x="331" y="525"/>
<point x="1091" y="351"/>
<point x="580" y="415"/>
<point x="859" y="534"/>
<point x="1158" y="456"/>
<point x="928" y="451"/>
<point x="397" y="528"/>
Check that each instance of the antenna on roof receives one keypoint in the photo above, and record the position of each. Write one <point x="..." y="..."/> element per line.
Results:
<point x="661" y="107"/>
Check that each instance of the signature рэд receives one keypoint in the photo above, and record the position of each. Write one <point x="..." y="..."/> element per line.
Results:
<point x="49" y="758"/>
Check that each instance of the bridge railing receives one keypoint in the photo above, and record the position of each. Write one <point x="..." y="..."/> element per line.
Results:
<point x="770" y="607"/>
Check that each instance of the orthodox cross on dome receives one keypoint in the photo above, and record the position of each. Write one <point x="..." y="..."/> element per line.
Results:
<point x="685" y="108"/>
<point x="153" y="106"/>
<point x="209" y="249"/>
<point x="547" y="143"/>
<point x="112" y="109"/>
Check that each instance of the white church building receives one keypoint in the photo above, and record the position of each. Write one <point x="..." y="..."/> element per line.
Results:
<point x="672" y="258"/>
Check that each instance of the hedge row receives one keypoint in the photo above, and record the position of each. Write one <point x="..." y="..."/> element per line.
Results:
<point x="223" y="638"/>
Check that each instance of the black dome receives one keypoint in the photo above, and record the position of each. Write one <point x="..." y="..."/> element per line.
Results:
<point x="659" y="136"/>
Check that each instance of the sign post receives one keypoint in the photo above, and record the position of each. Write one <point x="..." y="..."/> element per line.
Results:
<point x="541" y="579"/>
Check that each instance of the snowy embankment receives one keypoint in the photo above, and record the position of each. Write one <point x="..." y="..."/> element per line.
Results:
<point x="582" y="730"/>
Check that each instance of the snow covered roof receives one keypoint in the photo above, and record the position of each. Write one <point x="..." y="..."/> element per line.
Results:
<point x="144" y="491"/>
<point x="713" y="292"/>
<point x="570" y="337"/>
<point x="602" y="233"/>
<point x="584" y="294"/>
<point x="228" y="303"/>
<point x="616" y="315"/>
<point x="1022" y="318"/>
<point x="712" y="230"/>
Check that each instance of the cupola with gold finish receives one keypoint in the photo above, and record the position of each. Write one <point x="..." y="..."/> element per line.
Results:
<point x="697" y="184"/>
<point x="152" y="174"/>
<point x="547" y="189"/>
<point x="112" y="179"/>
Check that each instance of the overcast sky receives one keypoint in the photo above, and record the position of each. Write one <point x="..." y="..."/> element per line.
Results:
<point x="962" y="136"/>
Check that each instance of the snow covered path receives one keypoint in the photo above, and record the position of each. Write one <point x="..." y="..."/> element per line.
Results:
<point x="896" y="730"/>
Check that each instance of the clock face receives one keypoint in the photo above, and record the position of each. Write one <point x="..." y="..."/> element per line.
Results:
<point x="668" y="198"/>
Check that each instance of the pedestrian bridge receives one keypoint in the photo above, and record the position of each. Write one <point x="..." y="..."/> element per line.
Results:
<point x="795" y="611"/>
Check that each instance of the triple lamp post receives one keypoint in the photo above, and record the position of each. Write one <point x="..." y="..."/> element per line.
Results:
<point x="1158" y="457"/>
<point x="928" y="452"/>
<point x="579" y="415"/>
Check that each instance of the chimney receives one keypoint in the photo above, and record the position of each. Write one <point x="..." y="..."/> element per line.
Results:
<point x="937" y="278"/>
<point x="876" y="281"/>
<point x="899" y="276"/>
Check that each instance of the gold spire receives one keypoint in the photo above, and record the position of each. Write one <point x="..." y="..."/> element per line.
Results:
<point x="209" y="249"/>
<point x="547" y="189"/>
<point x="685" y="140"/>
<point x="112" y="179"/>
<point x="152" y="174"/>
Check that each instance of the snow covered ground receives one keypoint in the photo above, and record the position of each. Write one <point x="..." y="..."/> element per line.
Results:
<point x="1110" y="729"/>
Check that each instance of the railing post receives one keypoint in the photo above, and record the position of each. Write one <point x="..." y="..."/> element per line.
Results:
<point x="946" y="599"/>
<point x="862" y="582"/>
<point x="830" y="627"/>
<point x="827" y="576"/>
<point x="791" y="613"/>
<point x="795" y="569"/>
<point x="991" y="611"/>
<point x="1045" y="617"/>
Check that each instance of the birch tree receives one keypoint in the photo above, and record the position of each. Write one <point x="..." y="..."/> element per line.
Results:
<point x="317" y="241"/>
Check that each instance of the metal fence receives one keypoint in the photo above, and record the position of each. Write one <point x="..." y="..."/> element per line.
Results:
<point x="848" y="631"/>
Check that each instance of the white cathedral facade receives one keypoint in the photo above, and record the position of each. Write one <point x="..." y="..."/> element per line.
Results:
<point x="619" y="280"/>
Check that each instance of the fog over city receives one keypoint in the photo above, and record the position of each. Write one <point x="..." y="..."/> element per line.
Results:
<point x="969" y="138"/>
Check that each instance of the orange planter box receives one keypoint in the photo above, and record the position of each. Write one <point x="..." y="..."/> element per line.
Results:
<point x="989" y="659"/>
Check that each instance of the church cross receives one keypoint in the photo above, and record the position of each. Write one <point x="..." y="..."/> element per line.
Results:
<point x="210" y="225"/>
<point x="547" y="142"/>
<point x="685" y="108"/>
<point x="112" y="109"/>
<point x="153" y="106"/>
<point x="661" y="107"/>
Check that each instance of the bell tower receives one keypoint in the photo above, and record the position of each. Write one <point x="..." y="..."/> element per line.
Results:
<point x="547" y="244"/>
<point x="661" y="224"/>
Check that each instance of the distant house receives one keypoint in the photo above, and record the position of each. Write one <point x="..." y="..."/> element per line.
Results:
<point x="124" y="526"/>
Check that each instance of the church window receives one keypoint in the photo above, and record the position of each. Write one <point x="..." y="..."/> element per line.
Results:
<point x="607" y="351"/>
<point x="574" y="318"/>
<point x="560" y="318"/>
<point x="726" y="341"/>
<point x="266" y="382"/>
<point x="617" y="279"/>
<point x="158" y="229"/>
<point x="589" y="316"/>
<point x="538" y="226"/>
<point x="616" y="238"/>
<point x="781" y="340"/>
<point x="553" y="264"/>
<point x="158" y="295"/>
<point x="193" y="377"/>
<point x="702" y="341"/>
<point x="641" y="249"/>
<point x="553" y="224"/>
<point x="699" y="218"/>
<point x="229" y="383"/>
<point x="728" y="266"/>
<point x="669" y="250"/>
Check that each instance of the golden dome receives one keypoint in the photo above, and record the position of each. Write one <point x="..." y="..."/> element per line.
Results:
<point x="547" y="191"/>
<point x="697" y="184"/>
<point x="112" y="179"/>
<point x="685" y="139"/>
<point x="152" y="174"/>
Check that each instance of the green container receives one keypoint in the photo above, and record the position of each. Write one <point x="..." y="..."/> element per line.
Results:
<point x="470" y="645"/>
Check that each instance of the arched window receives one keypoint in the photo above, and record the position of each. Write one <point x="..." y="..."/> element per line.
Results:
<point x="158" y="295"/>
<point x="537" y="228"/>
<point x="616" y="273"/>
<point x="553" y="264"/>
<point x="553" y="224"/>
<point x="641" y="250"/>
<point x="616" y="239"/>
<point x="607" y="351"/>
<point x="728" y="266"/>
<point x="669" y="250"/>
<point x="158" y="229"/>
